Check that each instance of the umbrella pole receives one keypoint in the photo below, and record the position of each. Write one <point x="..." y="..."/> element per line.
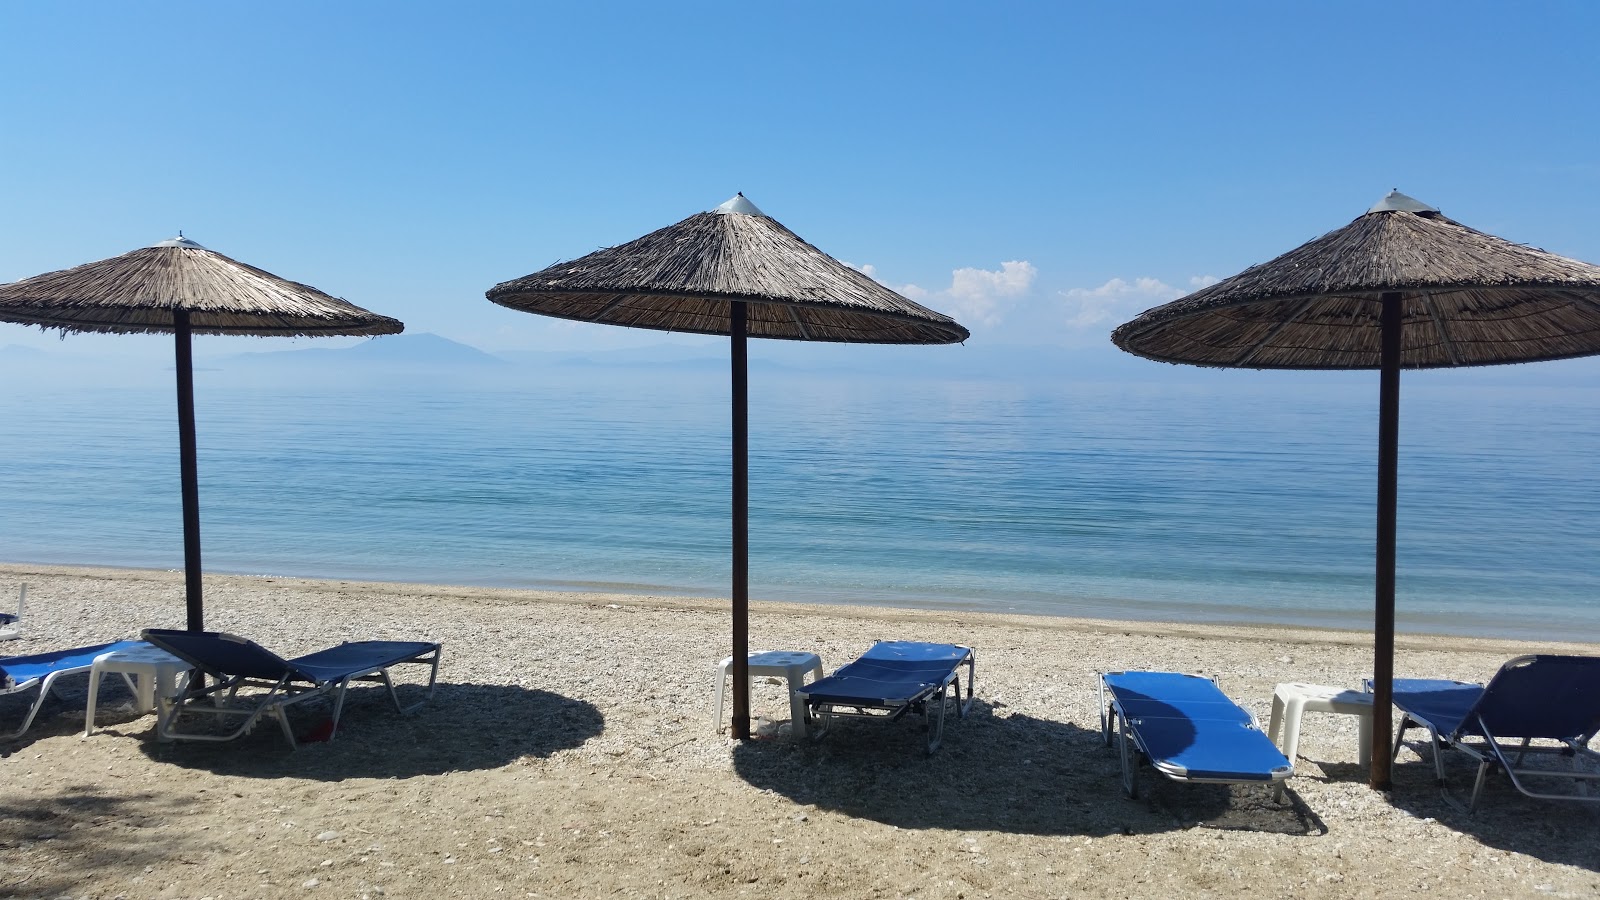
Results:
<point x="741" y="522"/>
<point x="1388" y="468"/>
<point x="188" y="462"/>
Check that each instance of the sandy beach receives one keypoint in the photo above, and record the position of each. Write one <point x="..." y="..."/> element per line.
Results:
<point x="568" y="752"/>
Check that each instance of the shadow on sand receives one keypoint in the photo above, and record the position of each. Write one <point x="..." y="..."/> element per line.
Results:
<point x="1550" y="830"/>
<point x="464" y="727"/>
<point x="1010" y="773"/>
<point x="99" y="833"/>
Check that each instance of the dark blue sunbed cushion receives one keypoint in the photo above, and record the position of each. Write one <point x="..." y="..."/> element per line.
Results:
<point x="890" y="674"/>
<point x="229" y="656"/>
<point x="16" y="670"/>
<point x="1543" y="696"/>
<point x="357" y="658"/>
<point x="219" y="654"/>
<point x="1438" y="702"/>
<point x="1191" y="730"/>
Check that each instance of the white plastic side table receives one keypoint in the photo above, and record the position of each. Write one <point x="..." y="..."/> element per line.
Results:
<point x="1291" y="700"/>
<point x="159" y="675"/>
<point x="791" y="665"/>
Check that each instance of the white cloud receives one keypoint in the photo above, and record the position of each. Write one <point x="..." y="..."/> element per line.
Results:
<point x="1118" y="299"/>
<point x="911" y="291"/>
<point x="997" y="301"/>
<point x="975" y="296"/>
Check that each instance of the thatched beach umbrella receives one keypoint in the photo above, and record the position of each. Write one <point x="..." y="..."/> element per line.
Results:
<point x="180" y="287"/>
<point x="732" y="271"/>
<point x="1400" y="287"/>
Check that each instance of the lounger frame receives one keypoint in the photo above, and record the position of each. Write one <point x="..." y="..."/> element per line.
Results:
<point x="1133" y="751"/>
<point x="1475" y="738"/>
<point x="238" y="696"/>
<point x="932" y="704"/>
<point x="83" y="664"/>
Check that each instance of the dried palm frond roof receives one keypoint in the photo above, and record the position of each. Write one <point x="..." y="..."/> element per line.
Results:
<point x="1469" y="299"/>
<point x="686" y="276"/>
<point x="139" y="292"/>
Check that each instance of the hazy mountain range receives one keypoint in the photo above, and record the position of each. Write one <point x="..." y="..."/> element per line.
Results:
<point x="431" y="354"/>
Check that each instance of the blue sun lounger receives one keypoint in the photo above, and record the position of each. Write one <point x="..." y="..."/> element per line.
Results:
<point x="891" y="679"/>
<point x="237" y="663"/>
<point x="1552" y="700"/>
<point x="1187" y="729"/>
<point x="23" y="673"/>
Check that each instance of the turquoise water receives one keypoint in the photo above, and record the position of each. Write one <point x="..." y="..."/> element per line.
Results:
<point x="1236" y="500"/>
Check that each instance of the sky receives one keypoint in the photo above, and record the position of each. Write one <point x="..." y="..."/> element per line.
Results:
<point x="1039" y="171"/>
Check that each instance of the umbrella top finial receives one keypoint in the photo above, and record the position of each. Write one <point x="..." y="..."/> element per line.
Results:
<point x="738" y="204"/>
<point x="1394" y="201"/>
<point x="179" y="241"/>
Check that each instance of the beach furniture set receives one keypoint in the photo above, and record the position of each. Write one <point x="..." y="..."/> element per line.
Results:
<point x="891" y="681"/>
<point x="247" y="682"/>
<point x="1185" y="728"/>
<point x="41" y="671"/>
<point x="1536" y="709"/>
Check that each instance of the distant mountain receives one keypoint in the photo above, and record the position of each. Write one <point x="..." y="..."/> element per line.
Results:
<point x="974" y="361"/>
<point x="421" y="349"/>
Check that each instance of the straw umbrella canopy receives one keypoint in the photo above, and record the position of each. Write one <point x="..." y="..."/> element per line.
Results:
<point x="1400" y="287"/>
<point x="181" y="288"/>
<point x="733" y="271"/>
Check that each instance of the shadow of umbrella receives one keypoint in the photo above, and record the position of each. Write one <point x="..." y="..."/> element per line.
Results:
<point x="1400" y="287"/>
<point x="1506" y="819"/>
<point x="180" y="288"/>
<point x="733" y="271"/>
<point x="1015" y="774"/>
<point x="55" y="840"/>
<point x="465" y="727"/>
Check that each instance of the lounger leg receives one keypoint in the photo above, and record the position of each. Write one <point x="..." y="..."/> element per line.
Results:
<point x="936" y="728"/>
<point x="1130" y="758"/>
<point x="1400" y="736"/>
<point x="972" y="683"/>
<point x="1275" y="720"/>
<point x="283" y="723"/>
<point x="93" y="701"/>
<point x="28" y="719"/>
<point x="718" y="693"/>
<point x="1105" y="714"/>
<point x="1477" y="785"/>
<point x="338" y="705"/>
<point x="433" y="679"/>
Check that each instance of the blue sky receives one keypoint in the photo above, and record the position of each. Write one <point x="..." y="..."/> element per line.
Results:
<point x="1040" y="171"/>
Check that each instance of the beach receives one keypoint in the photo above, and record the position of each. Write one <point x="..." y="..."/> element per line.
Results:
<point x="568" y="752"/>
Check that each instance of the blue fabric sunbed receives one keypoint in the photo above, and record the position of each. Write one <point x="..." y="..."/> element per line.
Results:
<point x="238" y="663"/>
<point x="1188" y="730"/>
<point x="891" y="679"/>
<point x="22" y="673"/>
<point x="1552" y="700"/>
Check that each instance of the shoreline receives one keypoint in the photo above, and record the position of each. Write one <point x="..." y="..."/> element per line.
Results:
<point x="568" y="752"/>
<point x="1160" y="617"/>
<point x="516" y="596"/>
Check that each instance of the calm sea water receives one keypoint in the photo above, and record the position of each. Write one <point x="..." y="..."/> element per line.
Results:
<point x="1236" y="501"/>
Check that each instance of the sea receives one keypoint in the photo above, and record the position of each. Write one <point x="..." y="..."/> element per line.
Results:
<point x="1245" y="499"/>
